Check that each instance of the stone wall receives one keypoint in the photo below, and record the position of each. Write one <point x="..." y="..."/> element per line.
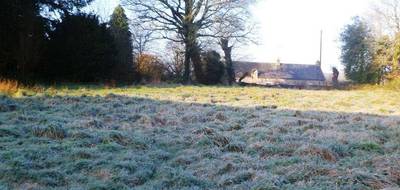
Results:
<point x="283" y="82"/>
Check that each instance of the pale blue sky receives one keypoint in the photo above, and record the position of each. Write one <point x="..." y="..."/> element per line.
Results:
<point x="290" y="29"/>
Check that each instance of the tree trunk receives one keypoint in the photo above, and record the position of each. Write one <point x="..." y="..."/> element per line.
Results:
<point x="244" y="76"/>
<point x="188" y="39"/>
<point x="192" y="53"/>
<point x="186" y="74"/>
<point x="197" y="64"/>
<point x="228" y="60"/>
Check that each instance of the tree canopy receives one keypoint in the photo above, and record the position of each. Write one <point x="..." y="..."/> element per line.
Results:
<point x="124" y="69"/>
<point x="357" y="52"/>
<point x="24" y="30"/>
<point x="86" y="57"/>
<point x="184" y="21"/>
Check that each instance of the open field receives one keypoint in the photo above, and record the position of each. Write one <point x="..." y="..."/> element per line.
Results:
<point x="186" y="137"/>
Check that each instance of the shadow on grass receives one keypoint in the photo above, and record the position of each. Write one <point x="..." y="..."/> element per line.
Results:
<point x="119" y="142"/>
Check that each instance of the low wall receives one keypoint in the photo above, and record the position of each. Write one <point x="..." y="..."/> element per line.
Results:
<point x="283" y="82"/>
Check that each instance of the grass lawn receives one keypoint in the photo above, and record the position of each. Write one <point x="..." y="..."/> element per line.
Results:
<point x="187" y="137"/>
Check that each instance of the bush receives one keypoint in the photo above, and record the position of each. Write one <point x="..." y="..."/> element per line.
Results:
<point x="212" y="68"/>
<point x="150" y="68"/>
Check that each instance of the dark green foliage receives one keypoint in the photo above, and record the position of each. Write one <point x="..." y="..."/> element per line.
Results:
<point x="35" y="45"/>
<point x="63" y="7"/>
<point x="86" y="57"/>
<point x="357" y="52"/>
<point x="124" y="70"/>
<point x="23" y="34"/>
<point x="212" y="68"/>
<point x="119" y="21"/>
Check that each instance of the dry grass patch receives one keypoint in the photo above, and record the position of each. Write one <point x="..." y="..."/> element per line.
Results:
<point x="9" y="86"/>
<point x="52" y="130"/>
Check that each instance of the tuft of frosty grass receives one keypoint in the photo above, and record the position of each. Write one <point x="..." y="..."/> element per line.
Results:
<point x="193" y="137"/>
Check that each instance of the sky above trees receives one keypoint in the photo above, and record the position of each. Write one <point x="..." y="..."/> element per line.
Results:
<point x="290" y="29"/>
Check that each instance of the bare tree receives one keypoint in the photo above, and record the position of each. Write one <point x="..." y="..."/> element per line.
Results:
<point x="233" y="26"/>
<point x="187" y="19"/>
<point x="141" y="37"/>
<point x="176" y="57"/>
<point x="387" y="13"/>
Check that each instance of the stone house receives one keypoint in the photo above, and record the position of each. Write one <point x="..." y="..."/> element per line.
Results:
<point x="279" y="74"/>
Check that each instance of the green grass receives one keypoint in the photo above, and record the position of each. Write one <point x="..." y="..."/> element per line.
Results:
<point x="194" y="137"/>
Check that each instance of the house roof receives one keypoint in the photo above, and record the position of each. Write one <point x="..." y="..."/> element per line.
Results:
<point x="281" y="71"/>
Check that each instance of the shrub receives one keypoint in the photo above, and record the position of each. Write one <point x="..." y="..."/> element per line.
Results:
<point x="212" y="68"/>
<point x="150" y="68"/>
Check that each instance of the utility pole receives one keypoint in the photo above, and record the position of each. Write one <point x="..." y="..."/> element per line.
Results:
<point x="320" y="48"/>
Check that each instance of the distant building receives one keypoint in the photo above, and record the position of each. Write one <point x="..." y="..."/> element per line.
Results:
<point x="279" y="74"/>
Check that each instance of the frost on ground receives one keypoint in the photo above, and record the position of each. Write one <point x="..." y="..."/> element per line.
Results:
<point x="200" y="138"/>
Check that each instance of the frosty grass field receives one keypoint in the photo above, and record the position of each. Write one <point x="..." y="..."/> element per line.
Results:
<point x="187" y="137"/>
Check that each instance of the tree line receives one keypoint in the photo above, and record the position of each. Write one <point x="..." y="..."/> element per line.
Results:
<point x="55" y="41"/>
<point x="371" y="45"/>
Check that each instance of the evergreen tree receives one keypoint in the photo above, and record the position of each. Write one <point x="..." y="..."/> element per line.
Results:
<point x="124" y="70"/>
<point x="357" y="52"/>
<point x="22" y="37"/>
<point x="23" y="34"/>
<point x="80" y="50"/>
